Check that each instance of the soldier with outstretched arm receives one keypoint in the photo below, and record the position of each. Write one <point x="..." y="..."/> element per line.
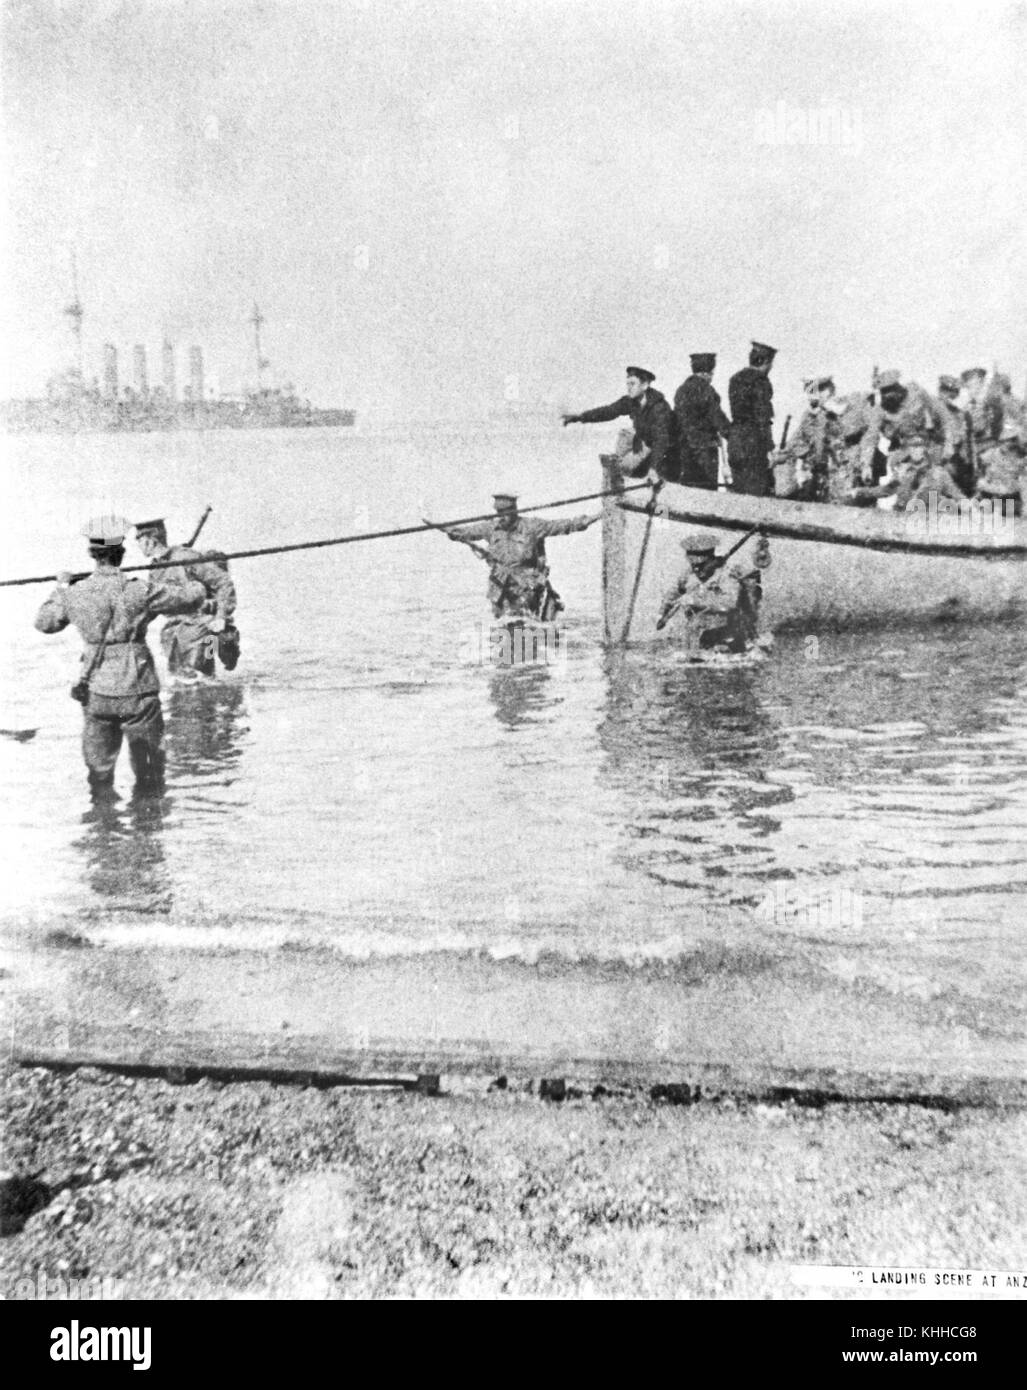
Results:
<point x="651" y="444"/>
<point x="119" y="689"/>
<point x="518" y="570"/>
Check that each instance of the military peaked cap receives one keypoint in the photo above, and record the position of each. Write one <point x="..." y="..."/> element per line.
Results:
<point x="971" y="372"/>
<point x="764" y="348"/>
<point x="641" y="373"/>
<point x="948" y="383"/>
<point x="155" y="524"/>
<point x="703" y="361"/>
<point x="699" y="543"/>
<point x="889" y="379"/>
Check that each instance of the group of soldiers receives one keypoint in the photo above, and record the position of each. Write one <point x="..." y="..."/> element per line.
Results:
<point x="119" y="686"/>
<point x="896" y="440"/>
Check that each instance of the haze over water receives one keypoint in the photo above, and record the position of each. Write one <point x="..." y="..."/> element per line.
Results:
<point x="364" y="782"/>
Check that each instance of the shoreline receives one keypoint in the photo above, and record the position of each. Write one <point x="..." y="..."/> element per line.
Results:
<point x="255" y="1190"/>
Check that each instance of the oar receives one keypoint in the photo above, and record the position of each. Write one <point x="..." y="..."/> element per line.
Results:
<point x="721" y="562"/>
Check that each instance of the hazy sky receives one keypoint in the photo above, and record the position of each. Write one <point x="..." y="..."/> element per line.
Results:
<point x="439" y="203"/>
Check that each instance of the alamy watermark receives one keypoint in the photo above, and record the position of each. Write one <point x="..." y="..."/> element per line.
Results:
<point x="937" y="515"/>
<point x="55" y="1288"/>
<point x="840" y="127"/>
<point x="787" y="904"/>
<point x="514" y="644"/>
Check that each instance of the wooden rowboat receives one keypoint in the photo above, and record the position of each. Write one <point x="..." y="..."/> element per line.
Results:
<point x="831" y="566"/>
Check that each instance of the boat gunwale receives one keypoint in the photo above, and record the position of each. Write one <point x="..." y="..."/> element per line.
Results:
<point x="958" y="548"/>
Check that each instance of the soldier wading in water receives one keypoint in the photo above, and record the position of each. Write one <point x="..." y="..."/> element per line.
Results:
<point x="719" y="603"/>
<point x="519" y="584"/>
<point x="119" y="688"/>
<point x="189" y="643"/>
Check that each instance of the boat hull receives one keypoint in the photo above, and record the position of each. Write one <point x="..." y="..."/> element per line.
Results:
<point x="830" y="566"/>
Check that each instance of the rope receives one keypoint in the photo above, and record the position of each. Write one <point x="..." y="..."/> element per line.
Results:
<point x="340" y="540"/>
<point x="641" y="561"/>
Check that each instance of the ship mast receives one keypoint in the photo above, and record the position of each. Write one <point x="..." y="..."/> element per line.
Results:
<point x="75" y="313"/>
<point x="257" y="319"/>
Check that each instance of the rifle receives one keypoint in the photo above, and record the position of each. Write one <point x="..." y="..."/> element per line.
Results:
<point x="784" y="432"/>
<point x="481" y="553"/>
<point x="719" y="563"/>
<point x="200" y="525"/>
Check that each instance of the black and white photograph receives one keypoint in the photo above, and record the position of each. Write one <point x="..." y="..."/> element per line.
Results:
<point x="527" y="501"/>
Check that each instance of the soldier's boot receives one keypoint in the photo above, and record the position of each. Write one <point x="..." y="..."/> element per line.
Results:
<point x="148" y="763"/>
<point x="101" y="786"/>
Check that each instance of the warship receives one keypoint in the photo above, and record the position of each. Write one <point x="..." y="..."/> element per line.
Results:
<point x="73" y="404"/>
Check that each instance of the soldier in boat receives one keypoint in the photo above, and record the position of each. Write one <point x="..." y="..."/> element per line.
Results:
<point x="920" y="474"/>
<point x="119" y="689"/>
<point x="984" y="408"/>
<point x="700" y="424"/>
<point x="1004" y="469"/>
<point x="902" y="411"/>
<point x="189" y="643"/>
<point x="750" y="441"/>
<point x="816" y="448"/>
<point x="719" y="602"/>
<point x="519" y="584"/>
<point x="651" y="442"/>
<point x="961" y="464"/>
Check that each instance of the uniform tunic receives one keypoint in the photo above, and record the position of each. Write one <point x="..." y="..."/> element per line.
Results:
<point x="917" y="484"/>
<point x="718" y="612"/>
<point x="518" y="569"/>
<point x="751" y="397"/>
<point x="187" y="641"/>
<point x="818" y="444"/>
<point x="919" y="414"/>
<point x="653" y="423"/>
<point x="700" y="423"/>
<point x="123" y="688"/>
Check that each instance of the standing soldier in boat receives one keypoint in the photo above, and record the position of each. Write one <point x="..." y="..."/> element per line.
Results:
<point x="650" y="444"/>
<point x="816" y="448"/>
<point x="519" y="584"/>
<point x="751" y="441"/>
<point x="984" y="409"/>
<point x="718" y="602"/>
<point x="900" y="412"/>
<point x="189" y="643"/>
<point x="961" y="464"/>
<point x="700" y="424"/>
<point x="119" y="689"/>
<point x="1003" y="468"/>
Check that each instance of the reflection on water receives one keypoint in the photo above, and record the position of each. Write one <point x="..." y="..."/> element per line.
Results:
<point x="204" y="726"/>
<point x="122" y="852"/>
<point x="356" y="781"/>
<point x="520" y="694"/>
<point x="689" y="747"/>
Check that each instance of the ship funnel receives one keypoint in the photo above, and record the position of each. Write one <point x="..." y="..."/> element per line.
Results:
<point x="110" y="372"/>
<point x="168" y="364"/>
<point x="139" y="363"/>
<point x="196" y="373"/>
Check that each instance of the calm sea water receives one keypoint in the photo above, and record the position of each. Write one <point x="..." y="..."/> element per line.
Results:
<point x="370" y="780"/>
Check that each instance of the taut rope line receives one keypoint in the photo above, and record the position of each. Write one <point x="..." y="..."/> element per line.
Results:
<point x="338" y="540"/>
